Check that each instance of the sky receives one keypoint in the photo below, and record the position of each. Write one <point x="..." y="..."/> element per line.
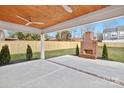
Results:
<point x="98" y="27"/>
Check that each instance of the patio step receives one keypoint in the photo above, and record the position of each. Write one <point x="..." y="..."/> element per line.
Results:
<point x="87" y="56"/>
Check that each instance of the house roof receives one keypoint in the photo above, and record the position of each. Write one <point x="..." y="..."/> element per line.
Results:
<point x="119" y="28"/>
<point x="110" y="30"/>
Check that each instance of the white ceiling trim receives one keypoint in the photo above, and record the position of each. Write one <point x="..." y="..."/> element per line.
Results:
<point x="94" y="17"/>
<point x="19" y="28"/>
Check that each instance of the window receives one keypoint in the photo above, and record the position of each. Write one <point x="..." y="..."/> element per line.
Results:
<point x="121" y="33"/>
<point x="113" y="34"/>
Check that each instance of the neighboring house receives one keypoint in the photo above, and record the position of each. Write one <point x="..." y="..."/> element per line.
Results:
<point x="114" y="34"/>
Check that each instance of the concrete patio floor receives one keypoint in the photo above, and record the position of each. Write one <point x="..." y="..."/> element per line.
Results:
<point x="60" y="72"/>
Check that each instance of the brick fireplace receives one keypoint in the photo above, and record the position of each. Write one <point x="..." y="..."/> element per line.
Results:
<point x="88" y="46"/>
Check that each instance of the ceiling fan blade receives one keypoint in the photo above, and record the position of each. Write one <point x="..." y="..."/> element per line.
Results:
<point x="67" y="8"/>
<point x="29" y="23"/>
<point x="22" y="18"/>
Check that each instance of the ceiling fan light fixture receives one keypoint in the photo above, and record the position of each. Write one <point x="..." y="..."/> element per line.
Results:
<point x="67" y="8"/>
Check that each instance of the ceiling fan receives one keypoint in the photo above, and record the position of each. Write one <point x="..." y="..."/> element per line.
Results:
<point x="29" y="22"/>
<point x="67" y="8"/>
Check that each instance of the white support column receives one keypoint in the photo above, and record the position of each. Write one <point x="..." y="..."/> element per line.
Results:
<point x="42" y="47"/>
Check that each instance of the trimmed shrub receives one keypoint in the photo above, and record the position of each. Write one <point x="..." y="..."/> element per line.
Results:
<point x="5" y="55"/>
<point x="29" y="53"/>
<point x="105" y="52"/>
<point x="77" y="50"/>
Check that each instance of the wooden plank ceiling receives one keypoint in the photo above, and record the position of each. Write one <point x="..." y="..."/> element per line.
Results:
<point x="49" y="14"/>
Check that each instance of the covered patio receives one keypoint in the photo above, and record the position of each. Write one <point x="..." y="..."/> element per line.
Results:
<point x="44" y="19"/>
<point x="63" y="71"/>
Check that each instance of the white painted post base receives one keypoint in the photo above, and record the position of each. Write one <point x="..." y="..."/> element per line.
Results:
<point x="42" y="47"/>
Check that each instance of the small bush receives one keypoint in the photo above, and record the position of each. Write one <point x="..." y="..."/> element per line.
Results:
<point x="29" y="53"/>
<point x="77" y="50"/>
<point x="5" y="55"/>
<point x="105" y="52"/>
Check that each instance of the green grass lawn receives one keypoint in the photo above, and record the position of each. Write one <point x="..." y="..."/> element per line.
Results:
<point x="115" y="54"/>
<point x="48" y="54"/>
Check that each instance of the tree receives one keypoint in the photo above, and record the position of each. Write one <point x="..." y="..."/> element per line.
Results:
<point x="29" y="53"/>
<point x="68" y="35"/>
<point x="5" y="55"/>
<point x="77" y="50"/>
<point x="47" y="37"/>
<point x="35" y="37"/>
<point x="64" y="35"/>
<point x="20" y="35"/>
<point x="58" y="36"/>
<point x="27" y="36"/>
<point x="99" y="36"/>
<point x="105" y="52"/>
